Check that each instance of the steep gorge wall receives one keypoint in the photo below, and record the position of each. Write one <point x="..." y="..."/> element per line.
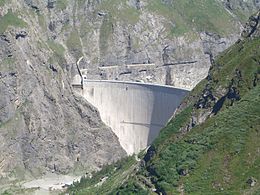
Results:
<point x="44" y="126"/>
<point x="179" y="37"/>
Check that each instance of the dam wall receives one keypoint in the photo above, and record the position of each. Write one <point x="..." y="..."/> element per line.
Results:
<point x="136" y="112"/>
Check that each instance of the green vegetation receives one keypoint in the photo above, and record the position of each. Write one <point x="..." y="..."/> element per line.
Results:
<point x="111" y="176"/>
<point x="58" y="52"/>
<point x="241" y="15"/>
<point x="244" y="14"/>
<point x="66" y="27"/>
<point x="218" y="156"/>
<point x="14" y="190"/>
<point x="180" y="16"/>
<point x="74" y="44"/>
<point x="62" y="4"/>
<point x="2" y="2"/>
<point x="84" y="29"/>
<point x="81" y="3"/>
<point x="217" y="149"/>
<point x="130" y="187"/>
<point x="119" y="10"/>
<point x="42" y="44"/>
<point x="175" y="23"/>
<point x="106" y="31"/>
<point x="201" y="15"/>
<point x="243" y="57"/>
<point x="56" y="48"/>
<point x="10" y="19"/>
<point x="231" y="156"/>
<point x="7" y="64"/>
<point x="129" y="15"/>
<point x="42" y="22"/>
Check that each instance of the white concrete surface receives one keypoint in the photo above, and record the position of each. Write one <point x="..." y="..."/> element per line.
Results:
<point x="136" y="112"/>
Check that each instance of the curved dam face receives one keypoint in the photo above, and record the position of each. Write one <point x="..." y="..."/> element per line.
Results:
<point x="136" y="112"/>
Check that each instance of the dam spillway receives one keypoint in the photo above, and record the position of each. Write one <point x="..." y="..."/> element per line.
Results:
<point x="136" y="112"/>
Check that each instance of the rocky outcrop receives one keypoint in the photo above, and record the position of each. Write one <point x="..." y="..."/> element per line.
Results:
<point x="134" y="34"/>
<point x="44" y="126"/>
<point x="241" y="6"/>
<point x="252" y="27"/>
<point x="211" y="101"/>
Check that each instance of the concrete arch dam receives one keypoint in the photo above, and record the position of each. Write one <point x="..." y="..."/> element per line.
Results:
<point x="136" y="112"/>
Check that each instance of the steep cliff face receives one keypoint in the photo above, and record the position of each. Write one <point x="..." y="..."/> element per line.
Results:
<point x="178" y="38"/>
<point x="44" y="126"/>
<point x="241" y="8"/>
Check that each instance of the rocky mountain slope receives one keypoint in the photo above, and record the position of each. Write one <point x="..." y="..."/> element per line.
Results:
<point x="177" y="37"/>
<point x="44" y="126"/>
<point x="212" y="144"/>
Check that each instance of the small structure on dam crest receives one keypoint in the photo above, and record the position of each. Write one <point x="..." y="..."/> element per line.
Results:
<point x="136" y="112"/>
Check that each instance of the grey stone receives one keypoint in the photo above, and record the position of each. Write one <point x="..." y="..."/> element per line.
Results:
<point x="44" y="126"/>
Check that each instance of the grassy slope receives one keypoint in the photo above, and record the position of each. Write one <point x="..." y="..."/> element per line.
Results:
<point x="183" y="16"/>
<point x="74" y="44"/>
<point x="229" y="145"/>
<point x="221" y="154"/>
<point x="2" y="2"/>
<point x="199" y="15"/>
<point x="115" y="173"/>
<point x="62" y="4"/>
<point x="222" y="142"/>
<point x="10" y="19"/>
<point x="120" y="11"/>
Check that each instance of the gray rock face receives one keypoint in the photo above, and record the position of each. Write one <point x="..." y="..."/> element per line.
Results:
<point x="8" y="82"/>
<point x="44" y="126"/>
<point x="252" y="27"/>
<point x="7" y="96"/>
<point x="133" y="32"/>
<point x="112" y="42"/>
<point x="210" y="102"/>
<point x="241" y="5"/>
